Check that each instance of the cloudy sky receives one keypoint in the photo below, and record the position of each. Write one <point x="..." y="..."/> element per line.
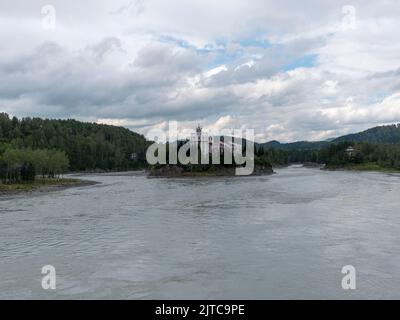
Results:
<point x="290" y="70"/>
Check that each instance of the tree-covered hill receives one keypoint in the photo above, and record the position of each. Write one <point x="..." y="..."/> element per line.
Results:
<point x="378" y="147"/>
<point x="88" y="146"/>
<point x="382" y="134"/>
<point x="299" y="145"/>
<point x="377" y="135"/>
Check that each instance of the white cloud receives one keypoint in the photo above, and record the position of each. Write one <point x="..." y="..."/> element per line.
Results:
<point x="215" y="71"/>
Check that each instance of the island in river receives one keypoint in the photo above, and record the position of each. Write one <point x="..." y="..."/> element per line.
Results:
<point x="204" y="170"/>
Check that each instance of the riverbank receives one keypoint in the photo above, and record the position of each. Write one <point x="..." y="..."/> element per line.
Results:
<point x="370" y="166"/>
<point x="42" y="185"/>
<point x="109" y="173"/>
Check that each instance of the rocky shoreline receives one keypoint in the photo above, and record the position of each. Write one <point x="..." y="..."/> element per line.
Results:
<point x="217" y="171"/>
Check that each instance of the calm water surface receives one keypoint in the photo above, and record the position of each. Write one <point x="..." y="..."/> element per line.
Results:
<point x="282" y="236"/>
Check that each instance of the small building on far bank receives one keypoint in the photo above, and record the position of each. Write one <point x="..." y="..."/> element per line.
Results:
<point x="350" y="151"/>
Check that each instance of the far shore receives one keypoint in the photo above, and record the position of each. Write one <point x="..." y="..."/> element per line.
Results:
<point x="364" y="167"/>
<point x="106" y="172"/>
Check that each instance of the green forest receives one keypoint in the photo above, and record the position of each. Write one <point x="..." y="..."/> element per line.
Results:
<point x="374" y="149"/>
<point x="34" y="146"/>
<point x="366" y="156"/>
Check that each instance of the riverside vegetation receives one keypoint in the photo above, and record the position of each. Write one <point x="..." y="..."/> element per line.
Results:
<point x="366" y="156"/>
<point x="376" y="149"/>
<point x="35" y="152"/>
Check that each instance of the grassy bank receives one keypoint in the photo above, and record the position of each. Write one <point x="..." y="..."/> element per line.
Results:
<point x="368" y="166"/>
<point x="38" y="184"/>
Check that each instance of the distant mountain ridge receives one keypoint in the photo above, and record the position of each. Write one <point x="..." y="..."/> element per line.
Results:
<point x="299" y="145"/>
<point x="382" y="134"/>
<point x="389" y="134"/>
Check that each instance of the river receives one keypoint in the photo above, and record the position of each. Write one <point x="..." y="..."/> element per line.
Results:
<point x="283" y="236"/>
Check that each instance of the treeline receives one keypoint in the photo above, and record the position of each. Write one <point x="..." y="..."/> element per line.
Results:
<point x="21" y="165"/>
<point x="293" y="146"/>
<point x="336" y="155"/>
<point x="280" y="157"/>
<point x="88" y="146"/>
<point x="274" y="157"/>
<point x="383" y="155"/>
